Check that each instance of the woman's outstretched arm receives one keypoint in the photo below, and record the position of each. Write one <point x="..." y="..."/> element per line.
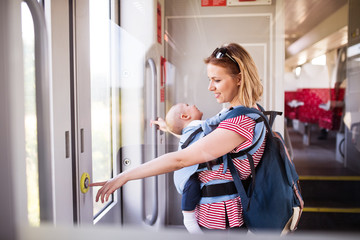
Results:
<point x="212" y="146"/>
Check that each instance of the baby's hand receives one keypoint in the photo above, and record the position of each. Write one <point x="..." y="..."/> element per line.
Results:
<point x="160" y="123"/>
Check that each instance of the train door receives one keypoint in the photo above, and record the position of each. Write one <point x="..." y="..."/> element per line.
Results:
<point x="141" y="83"/>
<point x="94" y="115"/>
<point x="116" y="91"/>
<point x="352" y="115"/>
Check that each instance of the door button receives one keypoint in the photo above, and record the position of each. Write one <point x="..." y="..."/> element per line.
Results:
<point x="84" y="182"/>
<point x="127" y="162"/>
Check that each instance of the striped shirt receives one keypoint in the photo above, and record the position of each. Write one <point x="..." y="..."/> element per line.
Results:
<point x="213" y="215"/>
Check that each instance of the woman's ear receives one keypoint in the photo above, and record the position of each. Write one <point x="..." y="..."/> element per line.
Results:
<point x="238" y="79"/>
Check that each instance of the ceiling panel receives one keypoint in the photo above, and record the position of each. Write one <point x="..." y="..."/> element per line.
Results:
<point x="302" y="16"/>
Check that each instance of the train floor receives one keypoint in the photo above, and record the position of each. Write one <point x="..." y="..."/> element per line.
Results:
<point x="331" y="191"/>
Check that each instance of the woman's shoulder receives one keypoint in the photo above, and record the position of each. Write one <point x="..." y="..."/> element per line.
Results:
<point x="242" y="125"/>
<point x="241" y="119"/>
<point x="231" y="114"/>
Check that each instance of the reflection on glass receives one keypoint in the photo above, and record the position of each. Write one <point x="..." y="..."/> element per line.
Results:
<point x="101" y="108"/>
<point x="31" y="145"/>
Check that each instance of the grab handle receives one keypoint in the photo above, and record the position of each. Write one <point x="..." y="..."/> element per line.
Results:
<point x="43" y="110"/>
<point x="150" y="220"/>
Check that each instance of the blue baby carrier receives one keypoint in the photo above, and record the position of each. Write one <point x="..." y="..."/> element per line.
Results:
<point x="271" y="197"/>
<point x="191" y="134"/>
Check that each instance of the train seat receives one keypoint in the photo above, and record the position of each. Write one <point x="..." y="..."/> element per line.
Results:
<point x="331" y="118"/>
<point x="290" y="105"/>
<point x="315" y="106"/>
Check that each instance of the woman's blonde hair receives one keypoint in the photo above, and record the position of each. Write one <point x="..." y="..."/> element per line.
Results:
<point x="251" y="88"/>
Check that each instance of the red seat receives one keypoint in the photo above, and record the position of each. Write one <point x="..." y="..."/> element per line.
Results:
<point x="290" y="112"/>
<point x="332" y="118"/>
<point x="310" y="112"/>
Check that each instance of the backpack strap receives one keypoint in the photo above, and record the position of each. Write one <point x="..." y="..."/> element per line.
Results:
<point x="249" y="157"/>
<point x="273" y="115"/>
<point x="238" y="184"/>
<point x="245" y="199"/>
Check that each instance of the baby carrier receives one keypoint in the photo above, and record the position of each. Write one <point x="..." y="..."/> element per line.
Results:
<point x="196" y="132"/>
<point x="271" y="196"/>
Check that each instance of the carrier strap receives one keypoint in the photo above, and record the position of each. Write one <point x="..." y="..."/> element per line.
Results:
<point x="191" y="137"/>
<point x="220" y="160"/>
<point x="220" y="189"/>
<point x="211" y="163"/>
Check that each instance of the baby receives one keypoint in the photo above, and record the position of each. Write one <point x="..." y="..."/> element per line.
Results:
<point x="182" y="120"/>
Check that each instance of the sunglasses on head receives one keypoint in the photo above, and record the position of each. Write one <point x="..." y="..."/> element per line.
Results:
<point x="221" y="52"/>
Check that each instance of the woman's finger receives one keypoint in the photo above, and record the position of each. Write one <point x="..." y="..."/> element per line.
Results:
<point x="107" y="195"/>
<point x="103" y="195"/>
<point x="100" y="193"/>
<point x="97" y="184"/>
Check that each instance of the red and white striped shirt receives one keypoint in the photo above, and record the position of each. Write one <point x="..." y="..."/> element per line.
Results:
<point x="213" y="215"/>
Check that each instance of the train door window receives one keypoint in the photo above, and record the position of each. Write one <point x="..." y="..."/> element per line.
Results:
<point x="32" y="173"/>
<point x="101" y="97"/>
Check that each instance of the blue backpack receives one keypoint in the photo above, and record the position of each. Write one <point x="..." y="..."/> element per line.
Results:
<point x="272" y="198"/>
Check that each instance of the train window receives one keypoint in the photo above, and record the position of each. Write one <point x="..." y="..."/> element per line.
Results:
<point x="101" y="96"/>
<point x="32" y="173"/>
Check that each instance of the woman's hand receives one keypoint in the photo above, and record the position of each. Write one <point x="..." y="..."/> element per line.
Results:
<point x="161" y="123"/>
<point x="108" y="187"/>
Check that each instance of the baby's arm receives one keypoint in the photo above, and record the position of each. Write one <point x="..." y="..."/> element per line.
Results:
<point x="162" y="126"/>
<point x="160" y="123"/>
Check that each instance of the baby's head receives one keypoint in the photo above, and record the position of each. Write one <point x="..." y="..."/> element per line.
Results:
<point x="180" y="115"/>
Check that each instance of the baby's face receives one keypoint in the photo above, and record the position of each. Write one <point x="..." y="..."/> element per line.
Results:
<point x="193" y="111"/>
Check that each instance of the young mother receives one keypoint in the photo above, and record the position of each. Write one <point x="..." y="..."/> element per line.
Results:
<point x="233" y="78"/>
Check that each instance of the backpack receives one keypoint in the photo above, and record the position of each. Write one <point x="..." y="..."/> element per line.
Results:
<point x="272" y="200"/>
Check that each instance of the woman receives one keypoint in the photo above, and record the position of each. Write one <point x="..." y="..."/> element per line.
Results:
<point x="233" y="79"/>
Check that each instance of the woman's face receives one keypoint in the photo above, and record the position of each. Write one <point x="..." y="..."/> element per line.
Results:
<point x="223" y="85"/>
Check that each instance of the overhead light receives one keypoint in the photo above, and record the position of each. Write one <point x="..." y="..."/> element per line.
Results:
<point x="297" y="71"/>
<point x="321" y="60"/>
<point x="302" y="58"/>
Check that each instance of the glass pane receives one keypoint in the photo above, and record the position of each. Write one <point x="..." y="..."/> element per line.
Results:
<point x="32" y="173"/>
<point x="101" y="95"/>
